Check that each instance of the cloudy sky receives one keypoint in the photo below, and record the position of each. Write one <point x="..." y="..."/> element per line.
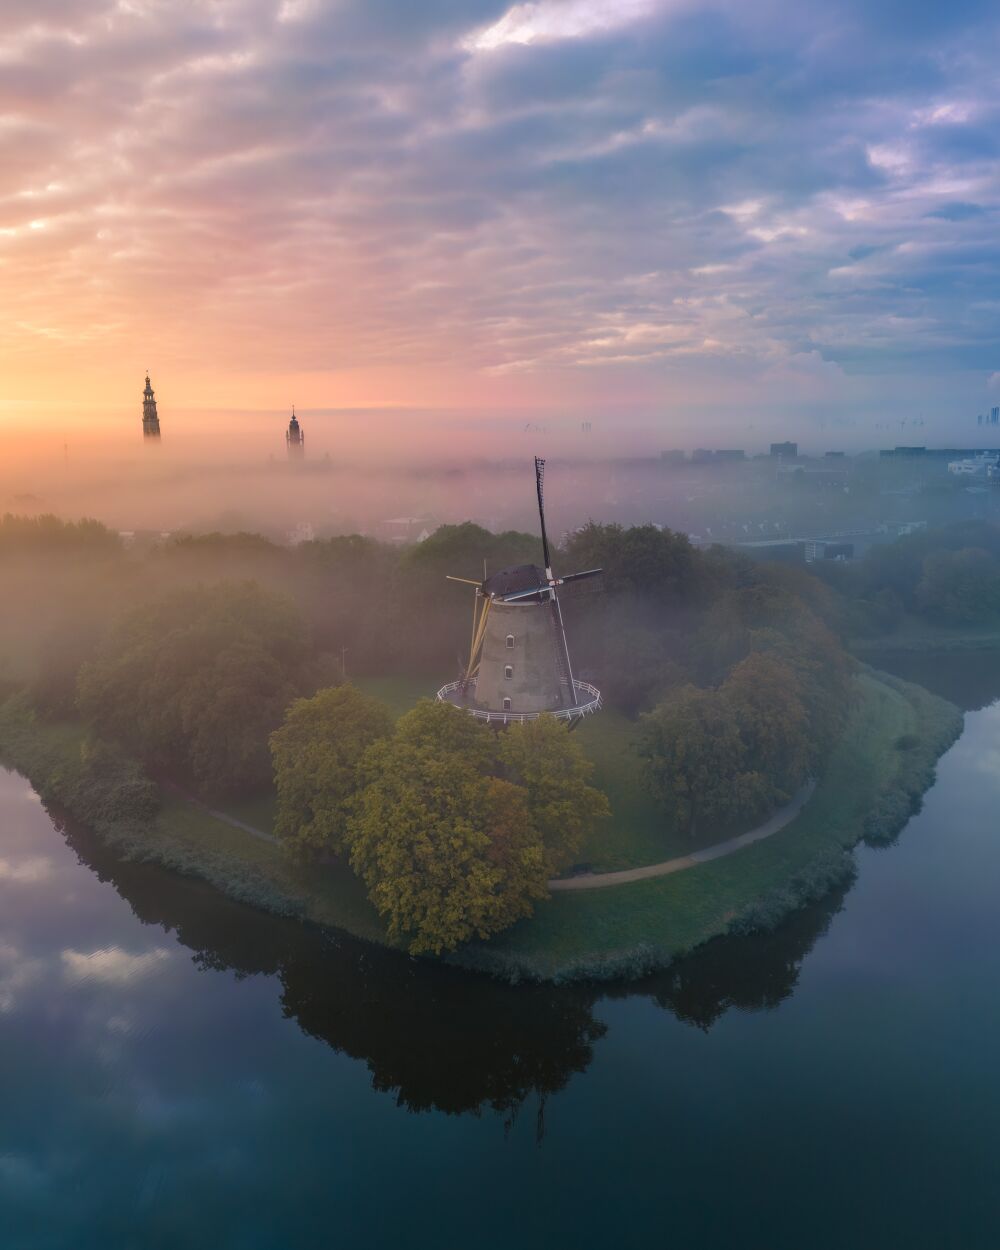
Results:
<point x="669" y="206"/>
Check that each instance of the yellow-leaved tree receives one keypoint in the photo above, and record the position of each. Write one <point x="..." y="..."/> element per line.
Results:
<point x="316" y="753"/>
<point x="447" y="850"/>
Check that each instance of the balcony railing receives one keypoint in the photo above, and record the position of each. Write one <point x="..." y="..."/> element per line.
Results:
<point x="457" y="692"/>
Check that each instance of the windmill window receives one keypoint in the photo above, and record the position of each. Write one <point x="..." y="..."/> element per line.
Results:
<point x="508" y="671"/>
<point x="510" y="642"/>
<point x="506" y="705"/>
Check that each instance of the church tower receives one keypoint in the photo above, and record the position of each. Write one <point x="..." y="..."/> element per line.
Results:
<point x="150" y="421"/>
<point x="295" y="438"/>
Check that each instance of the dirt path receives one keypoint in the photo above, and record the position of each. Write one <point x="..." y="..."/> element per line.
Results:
<point x="598" y="880"/>
<point x="220" y="815"/>
<point x="780" y="818"/>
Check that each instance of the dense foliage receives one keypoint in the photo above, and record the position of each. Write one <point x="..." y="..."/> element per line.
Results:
<point x="948" y="576"/>
<point x="449" y="847"/>
<point x="316" y="754"/>
<point x="196" y="680"/>
<point x="730" y="752"/>
<point x="546" y="761"/>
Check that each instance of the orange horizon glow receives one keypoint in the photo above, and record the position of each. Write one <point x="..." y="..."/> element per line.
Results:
<point x="551" y="207"/>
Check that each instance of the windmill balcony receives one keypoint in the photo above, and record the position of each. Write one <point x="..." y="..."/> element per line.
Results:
<point x="459" y="692"/>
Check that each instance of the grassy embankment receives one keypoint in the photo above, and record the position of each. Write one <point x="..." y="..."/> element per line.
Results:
<point x="873" y="782"/>
<point x="181" y="835"/>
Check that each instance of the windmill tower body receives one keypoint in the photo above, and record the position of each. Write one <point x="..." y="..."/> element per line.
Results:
<point x="521" y="660"/>
<point x="150" y="420"/>
<point x="519" y="665"/>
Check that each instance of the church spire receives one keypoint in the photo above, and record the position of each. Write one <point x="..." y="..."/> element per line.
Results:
<point x="150" y="421"/>
<point x="295" y="437"/>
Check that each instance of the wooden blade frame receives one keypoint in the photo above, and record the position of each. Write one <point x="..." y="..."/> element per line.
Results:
<point x="480" y="615"/>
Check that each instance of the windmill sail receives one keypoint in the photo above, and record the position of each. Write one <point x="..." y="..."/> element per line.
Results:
<point x="540" y="488"/>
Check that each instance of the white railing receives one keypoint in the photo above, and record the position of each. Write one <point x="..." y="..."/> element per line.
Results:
<point x="590" y="702"/>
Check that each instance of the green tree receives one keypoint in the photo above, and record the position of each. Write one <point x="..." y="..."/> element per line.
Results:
<point x="541" y="756"/>
<point x="642" y="559"/>
<point x="696" y="759"/>
<point x="316" y="754"/>
<point x="448" y="852"/>
<point x="196" y="681"/>
<point x="764" y="694"/>
<point x="960" y="587"/>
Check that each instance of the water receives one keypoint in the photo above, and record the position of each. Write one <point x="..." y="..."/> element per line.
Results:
<point x="177" y="1070"/>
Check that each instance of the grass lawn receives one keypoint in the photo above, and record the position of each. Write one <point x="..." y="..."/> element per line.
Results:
<point x="258" y="810"/>
<point x="401" y="692"/>
<point x="637" y="833"/>
<point x="260" y="873"/>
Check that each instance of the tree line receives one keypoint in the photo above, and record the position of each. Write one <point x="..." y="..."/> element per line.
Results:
<point x="948" y="576"/>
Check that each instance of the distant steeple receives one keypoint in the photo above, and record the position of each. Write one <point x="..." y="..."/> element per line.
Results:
<point x="295" y="438"/>
<point x="150" y="421"/>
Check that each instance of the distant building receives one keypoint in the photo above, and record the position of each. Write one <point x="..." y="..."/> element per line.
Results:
<point x="777" y="550"/>
<point x="295" y="438"/>
<point x="302" y="532"/>
<point x="705" y="455"/>
<point x="828" y="549"/>
<point x="784" y="451"/>
<point x="405" y="529"/>
<point x="935" y="453"/>
<point x="903" y="453"/>
<point x="802" y="550"/>
<point x="144" y="539"/>
<point x="834" y="455"/>
<point x="150" y="421"/>
<point x="976" y="466"/>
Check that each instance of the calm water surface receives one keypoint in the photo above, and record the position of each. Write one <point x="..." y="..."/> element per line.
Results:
<point x="181" y="1071"/>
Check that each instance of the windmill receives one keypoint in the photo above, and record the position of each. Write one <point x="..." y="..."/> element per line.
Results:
<point x="519" y="665"/>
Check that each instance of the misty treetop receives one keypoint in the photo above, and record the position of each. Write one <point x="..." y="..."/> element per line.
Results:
<point x="195" y="681"/>
<point x="948" y="576"/>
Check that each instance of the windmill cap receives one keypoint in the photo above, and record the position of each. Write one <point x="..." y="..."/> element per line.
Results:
<point x="513" y="580"/>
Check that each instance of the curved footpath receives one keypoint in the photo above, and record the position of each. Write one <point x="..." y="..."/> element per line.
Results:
<point x="597" y="880"/>
<point x="780" y="818"/>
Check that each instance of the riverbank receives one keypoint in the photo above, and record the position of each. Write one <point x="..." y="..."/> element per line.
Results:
<point x="873" y="782"/>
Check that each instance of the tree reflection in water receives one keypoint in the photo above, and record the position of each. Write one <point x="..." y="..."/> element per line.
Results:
<point x="436" y="1037"/>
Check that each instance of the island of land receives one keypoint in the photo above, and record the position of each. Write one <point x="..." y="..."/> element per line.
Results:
<point x="872" y="782"/>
